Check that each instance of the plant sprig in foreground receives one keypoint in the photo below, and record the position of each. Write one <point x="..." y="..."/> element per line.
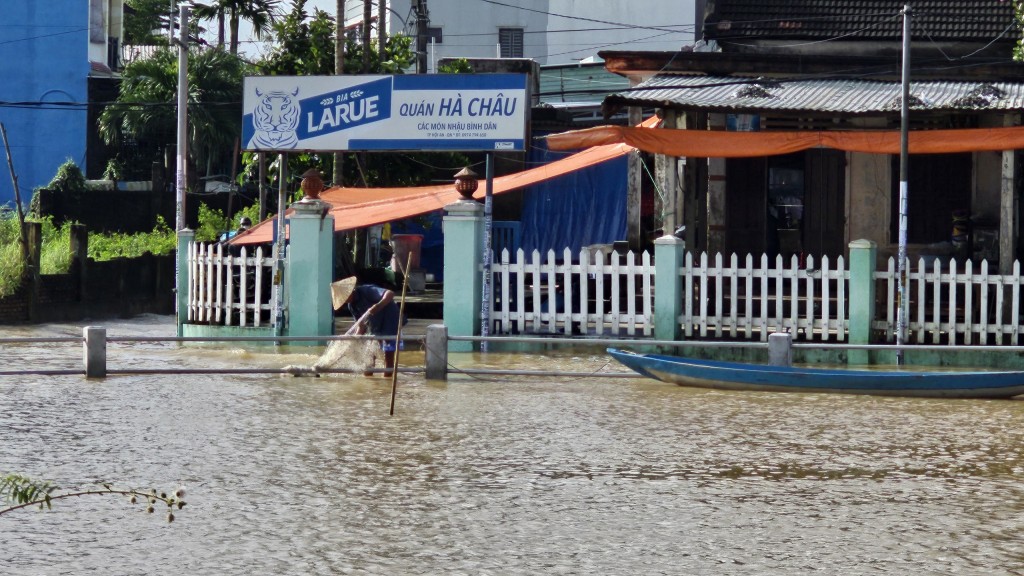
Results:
<point x="23" y="492"/>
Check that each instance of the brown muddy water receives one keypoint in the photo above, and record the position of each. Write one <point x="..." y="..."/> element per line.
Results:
<point x="495" y="475"/>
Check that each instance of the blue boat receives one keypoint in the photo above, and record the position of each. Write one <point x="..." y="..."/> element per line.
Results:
<point x="764" y="378"/>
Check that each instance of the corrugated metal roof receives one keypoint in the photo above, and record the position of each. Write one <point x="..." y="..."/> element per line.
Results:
<point x="588" y="83"/>
<point x="845" y="96"/>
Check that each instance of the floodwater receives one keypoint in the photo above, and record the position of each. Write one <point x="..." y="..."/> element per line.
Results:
<point x="502" y="475"/>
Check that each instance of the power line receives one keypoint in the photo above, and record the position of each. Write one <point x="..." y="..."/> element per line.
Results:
<point x="682" y="28"/>
<point x="43" y="36"/>
<point x="580" y="18"/>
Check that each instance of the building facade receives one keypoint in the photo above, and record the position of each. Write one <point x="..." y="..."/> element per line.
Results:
<point x="814" y="66"/>
<point x="54" y="62"/>
<point x="550" y="32"/>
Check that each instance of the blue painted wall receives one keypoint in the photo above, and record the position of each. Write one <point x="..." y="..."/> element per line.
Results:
<point x="44" y="58"/>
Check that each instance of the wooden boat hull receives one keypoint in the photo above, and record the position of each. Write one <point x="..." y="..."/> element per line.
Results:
<point x="757" y="377"/>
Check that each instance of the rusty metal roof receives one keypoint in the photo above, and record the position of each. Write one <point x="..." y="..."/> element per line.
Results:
<point x="842" y="96"/>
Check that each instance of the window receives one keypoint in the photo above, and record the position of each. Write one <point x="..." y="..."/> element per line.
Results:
<point x="511" y="42"/>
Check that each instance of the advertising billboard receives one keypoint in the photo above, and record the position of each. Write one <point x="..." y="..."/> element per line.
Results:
<point x="457" y="112"/>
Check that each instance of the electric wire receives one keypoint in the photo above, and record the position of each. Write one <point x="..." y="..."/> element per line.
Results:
<point x="579" y="18"/>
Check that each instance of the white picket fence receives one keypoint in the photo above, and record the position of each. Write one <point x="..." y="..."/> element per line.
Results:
<point x="719" y="300"/>
<point x="745" y="301"/>
<point x="227" y="289"/>
<point x="954" y="305"/>
<point x="591" y="296"/>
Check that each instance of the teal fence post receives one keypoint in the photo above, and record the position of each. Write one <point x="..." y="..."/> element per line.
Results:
<point x="668" y="287"/>
<point x="862" y="298"/>
<point x="463" y="284"/>
<point x="309" y="271"/>
<point x="185" y="237"/>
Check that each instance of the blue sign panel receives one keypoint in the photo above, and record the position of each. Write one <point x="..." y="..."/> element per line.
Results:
<point x="412" y="112"/>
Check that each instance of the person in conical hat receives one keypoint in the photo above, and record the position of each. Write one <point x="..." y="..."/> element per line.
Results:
<point x="375" y="312"/>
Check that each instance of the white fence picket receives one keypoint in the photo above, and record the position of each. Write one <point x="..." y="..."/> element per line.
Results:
<point x="592" y="295"/>
<point x="567" y="293"/>
<point x="219" y="285"/>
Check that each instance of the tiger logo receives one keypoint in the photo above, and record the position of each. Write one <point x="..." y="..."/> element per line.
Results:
<point x="275" y="119"/>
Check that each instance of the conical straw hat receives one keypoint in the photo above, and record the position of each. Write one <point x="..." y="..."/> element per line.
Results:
<point x="342" y="290"/>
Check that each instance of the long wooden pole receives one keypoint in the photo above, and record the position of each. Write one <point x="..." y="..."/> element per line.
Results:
<point x="17" y="197"/>
<point x="398" y="333"/>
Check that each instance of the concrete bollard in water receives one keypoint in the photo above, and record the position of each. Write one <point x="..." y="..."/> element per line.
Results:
<point x="437" y="352"/>
<point x="95" y="351"/>
<point x="780" y="349"/>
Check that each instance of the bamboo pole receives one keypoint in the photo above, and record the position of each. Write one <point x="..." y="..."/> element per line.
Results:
<point x="398" y="333"/>
<point x="17" y="197"/>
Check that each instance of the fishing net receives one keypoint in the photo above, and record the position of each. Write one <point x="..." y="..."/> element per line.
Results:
<point x="350" y="355"/>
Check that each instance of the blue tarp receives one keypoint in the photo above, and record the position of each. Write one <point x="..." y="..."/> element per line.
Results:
<point x="575" y="210"/>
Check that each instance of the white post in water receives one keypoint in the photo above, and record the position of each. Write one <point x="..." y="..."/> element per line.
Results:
<point x="902" y="307"/>
<point x="94" y="348"/>
<point x="780" y="349"/>
<point x="437" y="352"/>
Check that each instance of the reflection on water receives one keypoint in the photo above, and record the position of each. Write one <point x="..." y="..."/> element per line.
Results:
<point x="497" y="475"/>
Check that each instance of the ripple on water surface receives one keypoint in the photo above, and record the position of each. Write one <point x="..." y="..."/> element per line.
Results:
<point x="502" y="475"/>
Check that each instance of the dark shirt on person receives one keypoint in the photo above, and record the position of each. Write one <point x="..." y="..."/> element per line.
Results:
<point x="384" y="322"/>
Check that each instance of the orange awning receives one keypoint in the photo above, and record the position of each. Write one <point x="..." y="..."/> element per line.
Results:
<point x="721" y="144"/>
<point x="361" y="207"/>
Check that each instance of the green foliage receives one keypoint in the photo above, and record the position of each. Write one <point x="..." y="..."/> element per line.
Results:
<point x="213" y="222"/>
<point x="456" y="66"/>
<point x="303" y="46"/>
<point x="23" y="492"/>
<point x="398" y="56"/>
<point x="259" y="14"/>
<point x="142" y="23"/>
<point x="114" y="170"/>
<point x="214" y="98"/>
<point x="55" y="255"/>
<point x="12" y="265"/>
<point x="161" y="240"/>
<point x="68" y="179"/>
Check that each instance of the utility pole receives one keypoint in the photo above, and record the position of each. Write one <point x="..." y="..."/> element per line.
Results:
<point x="382" y="29"/>
<point x="339" y="69"/>
<point x="182" y="141"/>
<point x="901" y="256"/>
<point x="182" y="153"/>
<point x="422" y="22"/>
<point x="367" y="34"/>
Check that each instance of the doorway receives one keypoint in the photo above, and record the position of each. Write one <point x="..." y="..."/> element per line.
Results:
<point x="793" y="204"/>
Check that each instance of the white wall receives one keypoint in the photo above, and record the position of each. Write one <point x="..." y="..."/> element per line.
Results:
<point x="557" y="31"/>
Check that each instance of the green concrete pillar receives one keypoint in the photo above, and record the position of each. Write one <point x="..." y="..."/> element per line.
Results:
<point x="862" y="298"/>
<point x="463" y="283"/>
<point x="668" y="287"/>
<point x="181" y="279"/>
<point x="309" y="271"/>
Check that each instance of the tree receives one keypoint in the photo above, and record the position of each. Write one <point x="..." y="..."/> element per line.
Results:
<point x="144" y="21"/>
<point x="260" y="13"/>
<point x="145" y="107"/>
<point x="1018" y="16"/>
<point x="303" y="45"/>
